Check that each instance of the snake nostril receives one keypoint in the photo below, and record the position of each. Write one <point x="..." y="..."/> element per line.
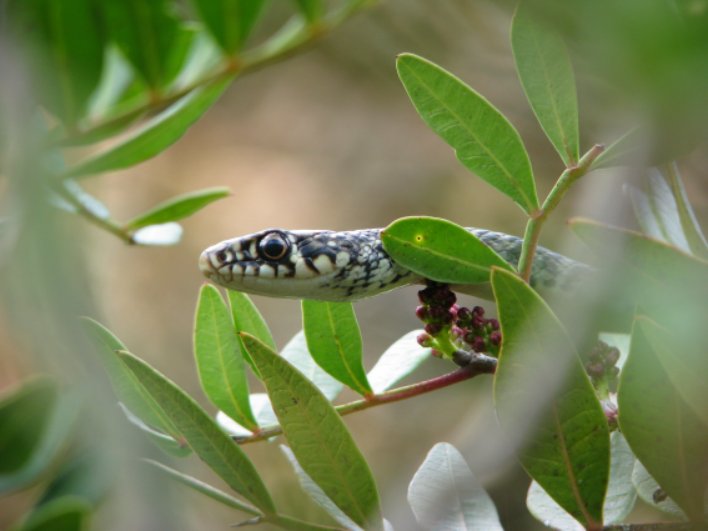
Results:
<point x="205" y="265"/>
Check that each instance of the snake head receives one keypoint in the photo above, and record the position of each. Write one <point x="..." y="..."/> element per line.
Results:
<point x="274" y="262"/>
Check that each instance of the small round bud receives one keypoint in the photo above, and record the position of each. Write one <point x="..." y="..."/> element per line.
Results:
<point x="421" y="312"/>
<point x="495" y="338"/>
<point x="424" y="340"/>
<point x="436" y="353"/>
<point x="612" y="356"/>
<point x="479" y="345"/>
<point x="464" y="316"/>
<point x="478" y="322"/>
<point x="457" y="331"/>
<point x="478" y="311"/>
<point x="470" y="338"/>
<point x="426" y="295"/>
<point x="494" y="324"/>
<point x="433" y="328"/>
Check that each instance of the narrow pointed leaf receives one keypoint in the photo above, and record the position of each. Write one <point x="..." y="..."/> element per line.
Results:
<point x="125" y="385"/>
<point x="696" y="239"/>
<point x="399" y="360"/>
<point x="318" y="437"/>
<point x="229" y="21"/>
<point x="220" y="364"/>
<point x="63" y="514"/>
<point x="178" y="207"/>
<point x="484" y="141"/>
<point x="664" y="433"/>
<point x="317" y="494"/>
<point x="445" y="495"/>
<point x="208" y="441"/>
<point x="248" y="319"/>
<point x="297" y="354"/>
<point x="334" y="340"/>
<point x="440" y="250"/>
<point x="312" y="10"/>
<point x="204" y="488"/>
<point x="546" y="75"/>
<point x="619" y="500"/>
<point x="164" y="442"/>
<point x="156" y="135"/>
<point x="544" y="398"/>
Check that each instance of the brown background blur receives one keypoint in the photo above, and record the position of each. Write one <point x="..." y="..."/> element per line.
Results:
<point x="329" y="139"/>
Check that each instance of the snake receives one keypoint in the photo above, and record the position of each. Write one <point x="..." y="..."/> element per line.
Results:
<point x="342" y="266"/>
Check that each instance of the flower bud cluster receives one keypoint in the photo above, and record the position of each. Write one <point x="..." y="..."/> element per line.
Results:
<point x="601" y="366"/>
<point x="452" y="328"/>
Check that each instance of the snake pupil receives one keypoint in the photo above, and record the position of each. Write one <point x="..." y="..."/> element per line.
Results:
<point x="273" y="247"/>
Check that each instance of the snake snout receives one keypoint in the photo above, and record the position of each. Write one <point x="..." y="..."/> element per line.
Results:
<point x="206" y="266"/>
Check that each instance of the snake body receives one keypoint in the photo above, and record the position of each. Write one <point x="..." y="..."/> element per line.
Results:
<point x="351" y="265"/>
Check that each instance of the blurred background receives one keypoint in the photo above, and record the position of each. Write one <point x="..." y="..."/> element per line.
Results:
<point x="327" y="139"/>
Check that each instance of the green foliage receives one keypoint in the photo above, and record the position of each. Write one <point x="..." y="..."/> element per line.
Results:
<point x="440" y="250"/>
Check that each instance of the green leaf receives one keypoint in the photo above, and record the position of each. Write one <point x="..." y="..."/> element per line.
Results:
<point x="125" y="385"/>
<point x="542" y="394"/>
<point x="440" y="250"/>
<point x="88" y="476"/>
<point x="204" y="488"/>
<point x="298" y="355"/>
<point x="619" y="500"/>
<point x="444" y="494"/>
<point x="653" y="274"/>
<point x="399" y="360"/>
<point x="652" y="494"/>
<point x="483" y="139"/>
<point x="212" y="445"/>
<point x="664" y="433"/>
<point x="63" y="514"/>
<point x="316" y="493"/>
<point x="696" y="239"/>
<point x="312" y="10"/>
<point x="65" y="47"/>
<point x="164" y="442"/>
<point x="318" y="437"/>
<point x="546" y="75"/>
<point x="222" y="371"/>
<point x="25" y="417"/>
<point x="229" y="21"/>
<point x="248" y="319"/>
<point x="156" y="135"/>
<point x="685" y="364"/>
<point x="146" y="34"/>
<point x="178" y="207"/>
<point x="334" y="340"/>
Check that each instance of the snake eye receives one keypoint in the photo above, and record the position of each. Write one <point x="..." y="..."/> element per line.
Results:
<point x="273" y="246"/>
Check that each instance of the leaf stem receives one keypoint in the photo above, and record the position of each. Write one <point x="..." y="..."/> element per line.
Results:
<point x="536" y="221"/>
<point x="480" y="364"/>
<point x="249" y="61"/>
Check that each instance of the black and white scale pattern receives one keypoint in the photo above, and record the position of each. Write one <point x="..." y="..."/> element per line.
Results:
<point x="350" y="265"/>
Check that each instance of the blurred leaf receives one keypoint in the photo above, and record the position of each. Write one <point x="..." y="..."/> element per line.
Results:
<point x="212" y="445"/>
<point x="628" y="149"/>
<point x="655" y="275"/>
<point x="86" y="200"/>
<point x="696" y="239"/>
<point x="65" y="45"/>
<point x="619" y="500"/>
<point x="318" y="437"/>
<point x="317" y="494"/>
<point x="399" y="360"/>
<point x="483" y="139"/>
<point x="247" y="318"/>
<point x="125" y="385"/>
<point x="542" y="393"/>
<point x="29" y="435"/>
<point x="334" y="341"/>
<point x="222" y="371"/>
<point x="229" y="21"/>
<point x="685" y="364"/>
<point x="203" y="58"/>
<point x="312" y="10"/>
<point x="178" y="207"/>
<point x="204" y="488"/>
<point x="146" y="33"/>
<point x="63" y="514"/>
<point x="664" y="433"/>
<point x="445" y="495"/>
<point x="155" y="135"/>
<point x="651" y="493"/>
<point x="158" y="235"/>
<point x="546" y="75"/>
<point x="88" y="476"/>
<point x="440" y="250"/>
<point x="115" y="80"/>
<point x="657" y="213"/>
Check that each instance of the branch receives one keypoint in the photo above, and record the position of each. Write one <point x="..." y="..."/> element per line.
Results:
<point x="535" y="223"/>
<point x="480" y="364"/>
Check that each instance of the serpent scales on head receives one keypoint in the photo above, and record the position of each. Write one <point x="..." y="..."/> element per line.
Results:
<point x="350" y="265"/>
